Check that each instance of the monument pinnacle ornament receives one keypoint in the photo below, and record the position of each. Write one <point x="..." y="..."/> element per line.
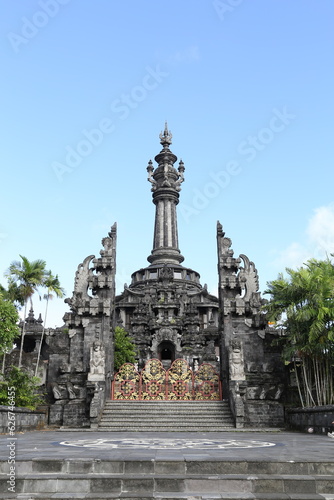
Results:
<point x="166" y="181"/>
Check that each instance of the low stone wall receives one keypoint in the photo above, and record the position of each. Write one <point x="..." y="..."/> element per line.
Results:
<point x="317" y="419"/>
<point x="22" y="418"/>
<point x="263" y="413"/>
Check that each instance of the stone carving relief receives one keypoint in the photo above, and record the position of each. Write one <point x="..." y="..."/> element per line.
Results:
<point x="166" y="273"/>
<point x="248" y="278"/>
<point x="210" y="353"/>
<point x="71" y="391"/>
<point x="226" y="247"/>
<point x="97" y="362"/>
<point x="166" y="334"/>
<point x="95" y="405"/>
<point x="82" y="276"/>
<point x="58" y="392"/>
<point x="237" y="371"/>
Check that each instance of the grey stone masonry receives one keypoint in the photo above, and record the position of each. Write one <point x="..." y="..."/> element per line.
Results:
<point x="172" y="479"/>
<point x="316" y="419"/>
<point x="251" y="367"/>
<point x="81" y="357"/>
<point x="24" y="419"/>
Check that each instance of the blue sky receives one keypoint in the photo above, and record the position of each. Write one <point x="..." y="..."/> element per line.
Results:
<point x="247" y="90"/>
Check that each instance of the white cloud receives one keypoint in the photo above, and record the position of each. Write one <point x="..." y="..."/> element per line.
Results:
<point x="320" y="231"/>
<point x="319" y="240"/>
<point x="293" y="256"/>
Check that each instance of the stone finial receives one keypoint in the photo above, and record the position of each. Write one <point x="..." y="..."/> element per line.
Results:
<point x="166" y="137"/>
<point x="31" y="317"/>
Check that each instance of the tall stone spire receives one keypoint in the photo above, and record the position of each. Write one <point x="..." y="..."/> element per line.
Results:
<point x="166" y="185"/>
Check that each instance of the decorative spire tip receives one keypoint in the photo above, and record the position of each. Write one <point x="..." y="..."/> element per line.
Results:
<point x="166" y="136"/>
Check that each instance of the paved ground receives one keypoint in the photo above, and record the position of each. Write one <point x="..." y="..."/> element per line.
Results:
<point x="267" y="446"/>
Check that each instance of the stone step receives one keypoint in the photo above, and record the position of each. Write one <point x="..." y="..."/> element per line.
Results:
<point x="167" y="409"/>
<point x="150" y="414"/>
<point x="160" y="429"/>
<point x="179" y="479"/>
<point x="167" y="417"/>
<point x="167" y="496"/>
<point x="176" y="411"/>
<point x="169" y="425"/>
<point x="166" y="425"/>
<point x="158" y="484"/>
<point x="170" y="422"/>
<point x="172" y="416"/>
<point x="163" y="429"/>
<point x="186" y="468"/>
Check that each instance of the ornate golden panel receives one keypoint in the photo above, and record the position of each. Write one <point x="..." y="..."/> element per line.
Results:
<point x="126" y="384"/>
<point x="206" y="383"/>
<point x="153" y="383"/>
<point x="178" y="383"/>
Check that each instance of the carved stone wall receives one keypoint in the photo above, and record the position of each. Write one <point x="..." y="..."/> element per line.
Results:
<point x="252" y="371"/>
<point x="165" y="305"/>
<point x="81" y="357"/>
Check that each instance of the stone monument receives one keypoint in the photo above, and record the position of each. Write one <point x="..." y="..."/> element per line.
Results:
<point x="169" y="315"/>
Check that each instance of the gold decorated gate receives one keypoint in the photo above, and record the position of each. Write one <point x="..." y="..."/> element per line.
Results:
<point x="156" y="383"/>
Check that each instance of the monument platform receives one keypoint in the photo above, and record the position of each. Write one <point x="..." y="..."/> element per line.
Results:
<point x="195" y="466"/>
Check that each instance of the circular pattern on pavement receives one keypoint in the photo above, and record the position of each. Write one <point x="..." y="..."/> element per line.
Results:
<point x="160" y="443"/>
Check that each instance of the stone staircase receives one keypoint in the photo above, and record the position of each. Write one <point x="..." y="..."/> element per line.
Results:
<point x="166" y="416"/>
<point x="192" y="479"/>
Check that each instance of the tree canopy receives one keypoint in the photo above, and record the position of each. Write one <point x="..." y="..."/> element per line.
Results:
<point x="125" y="351"/>
<point x="9" y="329"/>
<point x="304" y="304"/>
<point x="26" y="388"/>
<point x="28" y="275"/>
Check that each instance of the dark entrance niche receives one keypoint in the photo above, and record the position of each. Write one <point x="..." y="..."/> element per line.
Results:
<point x="166" y="352"/>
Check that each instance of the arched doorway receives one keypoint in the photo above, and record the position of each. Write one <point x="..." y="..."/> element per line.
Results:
<point x="166" y="353"/>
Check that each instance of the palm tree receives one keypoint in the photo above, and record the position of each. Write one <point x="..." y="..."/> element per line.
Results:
<point x="29" y="276"/>
<point x="306" y="302"/>
<point x="52" y="285"/>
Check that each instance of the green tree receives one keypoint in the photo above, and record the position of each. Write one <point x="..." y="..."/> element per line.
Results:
<point x="52" y="284"/>
<point x="125" y="351"/>
<point x="24" y="386"/>
<point x="28" y="275"/>
<point x="304" y="303"/>
<point x="14" y="293"/>
<point x="9" y="329"/>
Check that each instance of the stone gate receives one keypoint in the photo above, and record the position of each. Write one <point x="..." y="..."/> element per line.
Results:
<point x="178" y="383"/>
<point x="171" y="317"/>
